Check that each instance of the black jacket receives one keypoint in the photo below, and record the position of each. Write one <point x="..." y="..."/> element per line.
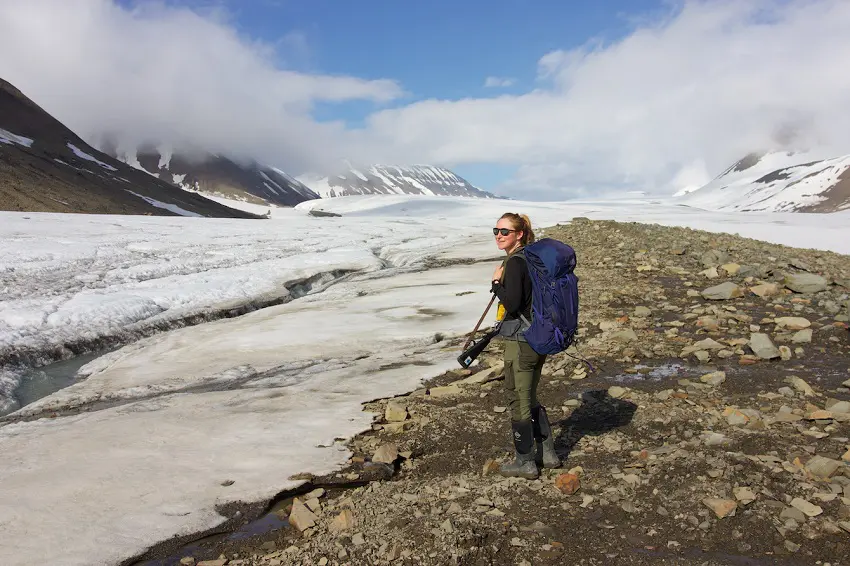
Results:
<point x="515" y="290"/>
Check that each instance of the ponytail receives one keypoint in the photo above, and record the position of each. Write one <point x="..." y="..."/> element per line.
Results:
<point x="521" y="223"/>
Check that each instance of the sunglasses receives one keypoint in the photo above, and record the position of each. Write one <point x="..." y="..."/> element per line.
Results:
<point x="502" y="231"/>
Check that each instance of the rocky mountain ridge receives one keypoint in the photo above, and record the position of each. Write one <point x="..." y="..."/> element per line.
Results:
<point x="394" y="180"/>
<point x="45" y="167"/>
<point x="220" y="176"/>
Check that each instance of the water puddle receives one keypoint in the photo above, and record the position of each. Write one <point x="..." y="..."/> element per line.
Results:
<point x="273" y="519"/>
<point x="642" y="372"/>
<point x="36" y="383"/>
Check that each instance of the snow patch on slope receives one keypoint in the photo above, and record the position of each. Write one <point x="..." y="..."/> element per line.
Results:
<point x="164" y="205"/>
<point x="774" y="181"/>
<point x="9" y="138"/>
<point x="83" y="155"/>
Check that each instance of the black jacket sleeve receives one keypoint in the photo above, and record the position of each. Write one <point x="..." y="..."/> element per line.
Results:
<point x="515" y="292"/>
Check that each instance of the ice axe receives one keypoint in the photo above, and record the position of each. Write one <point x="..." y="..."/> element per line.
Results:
<point x="471" y="352"/>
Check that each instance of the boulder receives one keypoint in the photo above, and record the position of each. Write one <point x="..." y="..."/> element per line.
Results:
<point x="713" y="258"/>
<point x="301" y="517"/>
<point x="567" y="483"/>
<point x="386" y="454"/>
<point x="805" y="282"/>
<point x="395" y="412"/>
<point x="763" y="347"/>
<point x="766" y="290"/>
<point x="724" y="291"/>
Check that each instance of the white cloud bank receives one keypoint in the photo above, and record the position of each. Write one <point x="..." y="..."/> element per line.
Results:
<point x="669" y="105"/>
<point x="172" y="74"/>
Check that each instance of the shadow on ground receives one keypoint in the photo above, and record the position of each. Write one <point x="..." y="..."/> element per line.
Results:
<point x="598" y="413"/>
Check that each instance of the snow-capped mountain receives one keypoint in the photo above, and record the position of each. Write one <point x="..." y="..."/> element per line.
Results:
<point x="394" y="180"/>
<point x="45" y="167"/>
<point x="777" y="182"/>
<point x="220" y="176"/>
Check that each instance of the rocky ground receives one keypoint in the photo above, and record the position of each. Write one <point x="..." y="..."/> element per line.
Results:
<point x="712" y="429"/>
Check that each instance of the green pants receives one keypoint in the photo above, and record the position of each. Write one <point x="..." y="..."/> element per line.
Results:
<point x="523" y="367"/>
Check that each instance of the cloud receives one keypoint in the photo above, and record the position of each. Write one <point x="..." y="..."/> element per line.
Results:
<point x="171" y="74"/>
<point x="675" y="101"/>
<point x="498" y="82"/>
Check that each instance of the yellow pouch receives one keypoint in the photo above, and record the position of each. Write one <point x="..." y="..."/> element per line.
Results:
<point x="500" y="312"/>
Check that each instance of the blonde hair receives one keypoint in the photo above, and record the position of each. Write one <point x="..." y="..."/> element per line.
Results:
<point x="521" y="223"/>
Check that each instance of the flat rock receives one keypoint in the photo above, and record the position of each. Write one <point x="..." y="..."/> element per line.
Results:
<point x="744" y="495"/>
<point x="838" y="406"/>
<point x="721" y="507"/>
<point x="763" y="347"/>
<point x="624" y="336"/>
<point x="713" y="258"/>
<point x="396" y="411"/>
<point x="731" y="268"/>
<point x="617" y="392"/>
<point x="444" y="391"/>
<point x="386" y="454"/>
<point x="809" y="509"/>
<point x="801" y="385"/>
<point x="805" y="282"/>
<point x="642" y="312"/>
<point x="343" y="522"/>
<point x="301" y="517"/>
<point x="735" y="417"/>
<point x="793" y="513"/>
<point x="766" y="290"/>
<point x="792" y="322"/>
<point x="724" y="291"/>
<point x="822" y="467"/>
<point x="803" y="336"/>
<point x="714" y="378"/>
<point x="490" y="374"/>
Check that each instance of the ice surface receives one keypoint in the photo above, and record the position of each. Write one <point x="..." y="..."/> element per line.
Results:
<point x="294" y="383"/>
<point x="83" y="155"/>
<point x="256" y="398"/>
<point x="474" y="215"/>
<point x="9" y="138"/>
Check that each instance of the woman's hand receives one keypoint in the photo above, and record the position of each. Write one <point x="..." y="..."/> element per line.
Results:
<point x="497" y="275"/>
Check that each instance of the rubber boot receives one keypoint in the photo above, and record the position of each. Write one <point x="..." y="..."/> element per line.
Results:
<point x="544" y="439"/>
<point x="523" y="465"/>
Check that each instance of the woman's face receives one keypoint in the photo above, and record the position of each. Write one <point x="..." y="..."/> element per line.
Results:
<point x="509" y="241"/>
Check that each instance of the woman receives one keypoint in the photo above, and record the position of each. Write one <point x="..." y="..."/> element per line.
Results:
<point x="512" y="284"/>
